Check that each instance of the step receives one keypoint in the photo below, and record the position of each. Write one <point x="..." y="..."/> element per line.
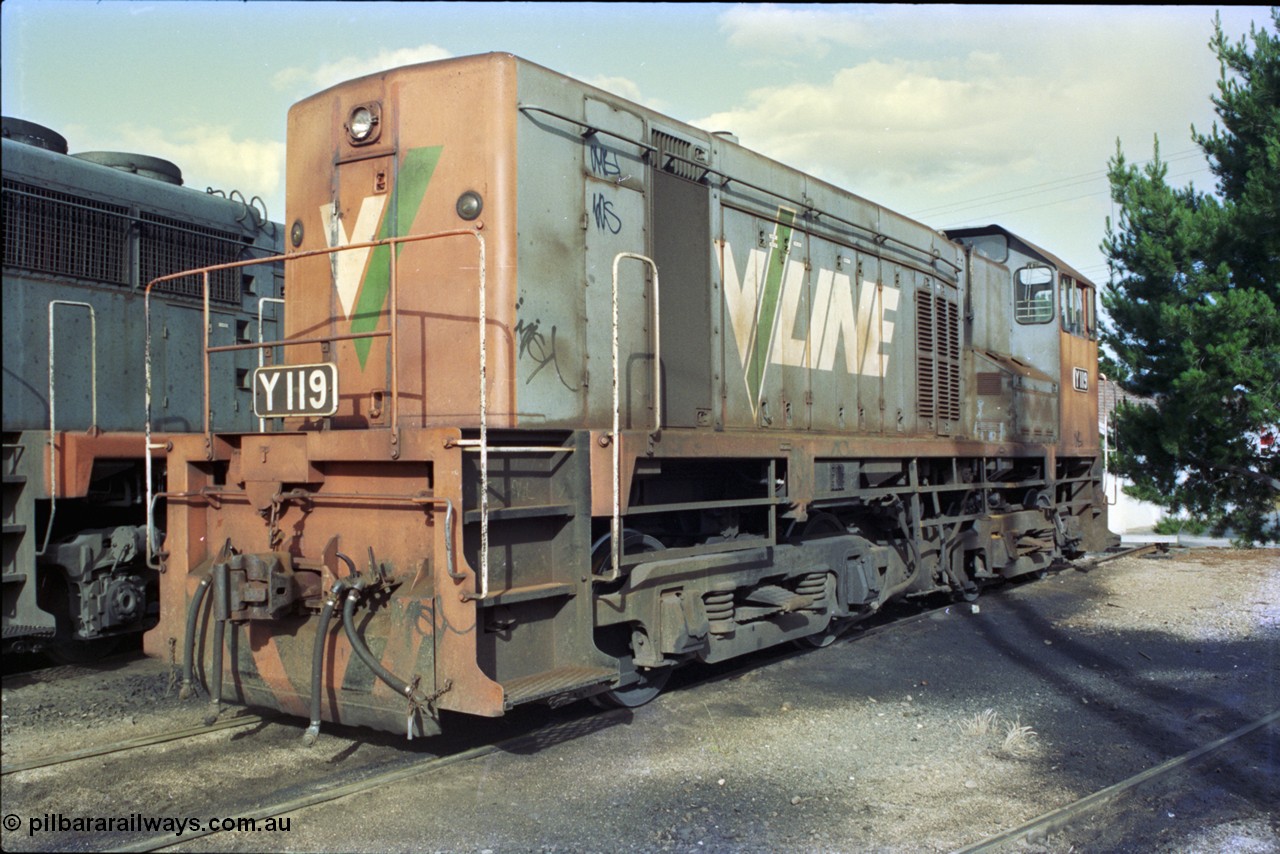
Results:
<point x="528" y="593"/>
<point x="534" y="511"/>
<point x="552" y="682"/>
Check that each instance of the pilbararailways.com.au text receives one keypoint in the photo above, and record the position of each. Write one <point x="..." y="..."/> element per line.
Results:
<point x="139" y="823"/>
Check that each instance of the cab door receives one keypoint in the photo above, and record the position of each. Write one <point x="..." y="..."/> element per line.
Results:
<point x="1079" y="349"/>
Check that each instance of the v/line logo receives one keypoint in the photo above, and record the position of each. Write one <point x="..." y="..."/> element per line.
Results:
<point x="362" y="277"/>
<point x="764" y="303"/>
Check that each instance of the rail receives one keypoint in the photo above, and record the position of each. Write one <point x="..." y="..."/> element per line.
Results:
<point x="204" y="272"/>
<point x="93" y="421"/>
<point x="615" y="522"/>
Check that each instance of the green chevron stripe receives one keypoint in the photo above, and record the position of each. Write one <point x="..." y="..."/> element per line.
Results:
<point x="411" y="185"/>
<point x="758" y="359"/>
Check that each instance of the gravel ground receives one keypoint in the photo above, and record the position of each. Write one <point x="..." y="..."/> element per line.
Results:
<point x="928" y="736"/>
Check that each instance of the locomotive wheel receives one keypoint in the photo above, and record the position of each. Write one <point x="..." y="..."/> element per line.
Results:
<point x="653" y="680"/>
<point x="633" y="696"/>
<point x="826" y="637"/>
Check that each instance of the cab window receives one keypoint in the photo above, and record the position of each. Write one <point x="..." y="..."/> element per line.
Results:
<point x="1077" y="308"/>
<point x="1033" y="295"/>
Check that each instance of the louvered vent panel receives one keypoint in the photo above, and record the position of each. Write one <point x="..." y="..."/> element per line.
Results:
<point x="937" y="357"/>
<point x="949" y="359"/>
<point x="926" y="365"/>
<point x="989" y="383"/>
<point x="675" y="156"/>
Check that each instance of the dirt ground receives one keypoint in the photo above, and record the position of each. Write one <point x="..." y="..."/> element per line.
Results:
<point x="929" y="736"/>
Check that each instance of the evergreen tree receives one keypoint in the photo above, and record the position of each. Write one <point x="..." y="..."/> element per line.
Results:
<point x="1194" y="305"/>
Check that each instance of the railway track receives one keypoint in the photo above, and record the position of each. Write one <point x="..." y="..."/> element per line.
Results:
<point x="1045" y="825"/>
<point x="394" y="765"/>
<point x="232" y="722"/>
<point x="892" y="617"/>
<point x="335" y="789"/>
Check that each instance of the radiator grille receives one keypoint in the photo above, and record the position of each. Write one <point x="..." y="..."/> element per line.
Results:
<point x="66" y="235"/>
<point x="169" y="245"/>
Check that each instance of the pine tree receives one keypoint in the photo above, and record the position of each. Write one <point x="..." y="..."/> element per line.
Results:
<point x="1194" y="305"/>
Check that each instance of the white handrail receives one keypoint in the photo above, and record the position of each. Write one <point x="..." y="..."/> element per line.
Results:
<point x="615" y="523"/>
<point x="262" y="422"/>
<point x="93" y="385"/>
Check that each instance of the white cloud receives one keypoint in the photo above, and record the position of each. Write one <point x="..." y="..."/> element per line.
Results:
<point x="212" y="156"/>
<point x="311" y="80"/>
<point x="771" y="30"/>
<point x="624" y="87"/>
<point x="896" y="122"/>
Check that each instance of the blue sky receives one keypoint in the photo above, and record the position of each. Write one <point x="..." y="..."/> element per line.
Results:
<point x="956" y="115"/>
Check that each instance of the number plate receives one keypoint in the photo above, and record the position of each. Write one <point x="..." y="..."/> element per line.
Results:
<point x="292" y="390"/>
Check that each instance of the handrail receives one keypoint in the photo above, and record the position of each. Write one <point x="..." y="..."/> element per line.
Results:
<point x="801" y="204"/>
<point x="207" y="350"/>
<point x="262" y="422"/>
<point x="93" y="420"/>
<point x="615" y="522"/>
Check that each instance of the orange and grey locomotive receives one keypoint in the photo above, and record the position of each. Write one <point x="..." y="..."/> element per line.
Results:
<point x="571" y="393"/>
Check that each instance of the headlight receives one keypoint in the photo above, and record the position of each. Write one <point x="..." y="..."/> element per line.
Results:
<point x="362" y="124"/>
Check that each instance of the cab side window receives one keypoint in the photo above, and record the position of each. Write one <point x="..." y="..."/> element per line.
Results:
<point x="1077" y="308"/>
<point x="1033" y="295"/>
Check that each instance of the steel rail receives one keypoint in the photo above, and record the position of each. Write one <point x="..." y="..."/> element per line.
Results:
<point x="132" y="744"/>
<point x="325" y="795"/>
<point x="1054" y="819"/>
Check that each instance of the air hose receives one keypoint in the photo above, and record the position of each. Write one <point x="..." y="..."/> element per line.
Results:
<point x="189" y="643"/>
<point x="317" y="660"/>
<point x="400" y="686"/>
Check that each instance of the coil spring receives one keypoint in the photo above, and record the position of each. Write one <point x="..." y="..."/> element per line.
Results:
<point x="719" y="607"/>
<point x="814" y="584"/>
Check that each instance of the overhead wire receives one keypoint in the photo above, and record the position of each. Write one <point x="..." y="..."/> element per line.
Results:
<point x="1033" y="189"/>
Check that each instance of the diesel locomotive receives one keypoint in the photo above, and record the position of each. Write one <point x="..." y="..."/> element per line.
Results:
<point x="570" y="393"/>
<point x="83" y="235"/>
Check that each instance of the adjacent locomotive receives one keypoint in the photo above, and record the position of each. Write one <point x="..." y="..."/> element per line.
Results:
<point x="83" y="235"/>
<point x="572" y="393"/>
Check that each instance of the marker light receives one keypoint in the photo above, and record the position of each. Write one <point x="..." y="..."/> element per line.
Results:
<point x="469" y="205"/>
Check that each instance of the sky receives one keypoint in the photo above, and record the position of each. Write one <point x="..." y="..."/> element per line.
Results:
<point x="953" y="115"/>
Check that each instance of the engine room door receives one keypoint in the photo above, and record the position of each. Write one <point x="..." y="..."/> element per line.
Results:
<point x="614" y="220"/>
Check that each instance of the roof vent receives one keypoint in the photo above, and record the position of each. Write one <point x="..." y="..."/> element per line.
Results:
<point x="138" y="164"/>
<point x="30" y="133"/>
